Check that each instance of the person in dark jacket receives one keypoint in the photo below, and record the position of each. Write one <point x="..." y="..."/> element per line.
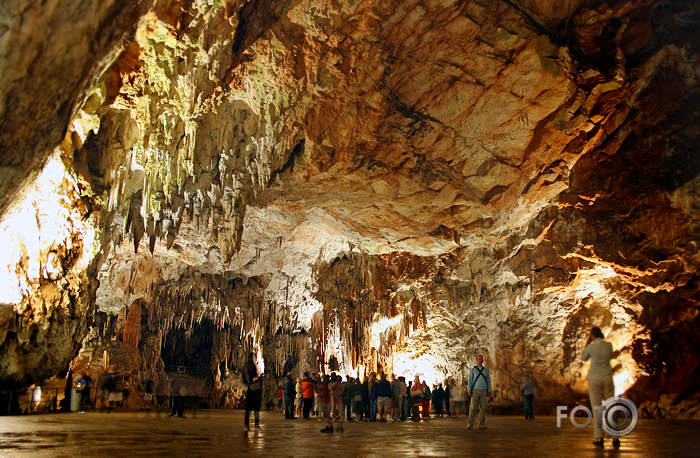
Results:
<point x="408" y="401"/>
<point x="253" y="398"/>
<point x="348" y="396"/>
<point x="178" y="391"/>
<point x="383" y="397"/>
<point x="290" y="392"/>
<point x="372" y="397"/>
<point x="364" y="407"/>
<point x="438" y="399"/>
<point x="448" y="397"/>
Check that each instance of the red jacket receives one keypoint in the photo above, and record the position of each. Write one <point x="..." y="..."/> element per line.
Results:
<point x="307" y="388"/>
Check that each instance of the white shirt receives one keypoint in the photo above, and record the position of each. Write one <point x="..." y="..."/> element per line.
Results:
<point x="600" y="354"/>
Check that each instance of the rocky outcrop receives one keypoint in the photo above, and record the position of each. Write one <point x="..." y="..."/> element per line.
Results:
<point x="48" y="294"/>
<point x="51" y="55"/>
<point x="400" y="185"/>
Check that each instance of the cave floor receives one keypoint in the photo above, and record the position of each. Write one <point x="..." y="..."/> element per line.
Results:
<point x="220" y="433"/>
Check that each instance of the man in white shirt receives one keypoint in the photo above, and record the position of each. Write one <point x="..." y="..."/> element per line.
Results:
<point x="479" y="389"/>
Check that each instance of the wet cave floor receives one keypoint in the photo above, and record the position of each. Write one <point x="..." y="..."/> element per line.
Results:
<point x="220" y="433"/>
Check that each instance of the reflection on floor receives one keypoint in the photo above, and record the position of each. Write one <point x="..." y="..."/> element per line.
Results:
<point x="220" y="433"/>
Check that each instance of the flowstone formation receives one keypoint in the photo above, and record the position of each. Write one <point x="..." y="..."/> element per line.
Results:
<point x="385" y="185"/>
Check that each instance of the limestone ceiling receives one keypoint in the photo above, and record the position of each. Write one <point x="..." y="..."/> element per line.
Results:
<point x="415" y="126"/>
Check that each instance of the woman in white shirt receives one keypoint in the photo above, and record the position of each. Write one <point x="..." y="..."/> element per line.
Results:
<point x="600" y="378"/>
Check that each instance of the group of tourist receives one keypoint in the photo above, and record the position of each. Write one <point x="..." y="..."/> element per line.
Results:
<point x="383" y="400"/>
<point x="378" y="398"/>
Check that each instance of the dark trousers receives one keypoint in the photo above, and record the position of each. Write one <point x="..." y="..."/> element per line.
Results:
<point x="405" y="408"/>
<point x="289" y="407"/>
<point x="253" y="400"/>
<point x="438" y="408"/>
<point x="177" y="405"/>
<point x="308" y="404"/>
<point x="84" y="399"/>
<point x="447" y="405"/>
<point x="359" y="409"/>
<point x="529" y="401"/>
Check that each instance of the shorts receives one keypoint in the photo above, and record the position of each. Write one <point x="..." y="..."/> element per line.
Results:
<point x="324" y="408"/>
<point x="148" y="396"/>
<point x="337" y="407"/>
<point x="384" y="403"/>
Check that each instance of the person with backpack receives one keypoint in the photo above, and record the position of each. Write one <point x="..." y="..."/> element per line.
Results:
<point x="416" y="392"/>
<point x="289" y="390"/>
<point x="178" y="392"/>
<point x="427" y="397"/>
<point x="479" y="390"/>
<point x="253" y="399"/>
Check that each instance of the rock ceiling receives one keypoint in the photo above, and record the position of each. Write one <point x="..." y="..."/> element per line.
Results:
<point x="358" y="184"/>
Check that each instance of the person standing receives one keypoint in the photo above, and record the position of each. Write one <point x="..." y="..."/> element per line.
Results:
<point x="398" y="388"/>
<point x="461" y="399"/>
<point x="438" y="399"/>
<point x="316" y="412"/>
<point x="600" y="378"/>
<point x="427" y="397"/>
<point x="416" y="393"/>
<point x="364" y="393"/>
<point x="253" y="398"/>
<point x="299" y="398"/>
<point x="384" y="397"/>
<point x="408" y="402"/>
<point x="348" y="396"/>
<point x="479" y="390"/>
<point x="449" y="388"/>
<point x="84" y="383"/>
<point x="178" y="391"/>
<point x="307" y="392"/>
<point x="335" y="389"/>
<point x="528" y="397"/>
<point x="67" y="391"/>
<point x="149" y="389"/>
<point x="324" y="397"/>
<point x="458" y="396"/>
<point x="372" y="396"/>
<point x="288" y="389"/>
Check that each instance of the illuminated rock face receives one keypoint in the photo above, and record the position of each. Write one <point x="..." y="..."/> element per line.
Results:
<point x="401" y="185"/>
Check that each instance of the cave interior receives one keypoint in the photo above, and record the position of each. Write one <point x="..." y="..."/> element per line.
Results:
<point x="357" y="186"/>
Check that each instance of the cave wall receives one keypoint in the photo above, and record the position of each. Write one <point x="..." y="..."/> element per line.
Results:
<point x="371" y="184"/>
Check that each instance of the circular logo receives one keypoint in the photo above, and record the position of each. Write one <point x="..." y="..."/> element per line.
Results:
<point x="620" y="416"/>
